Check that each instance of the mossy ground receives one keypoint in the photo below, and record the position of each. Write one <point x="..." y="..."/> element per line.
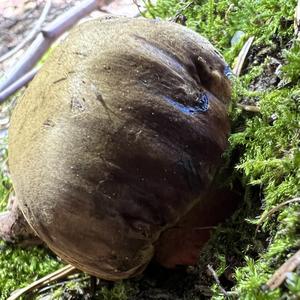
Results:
<point x="264" y="159"/>
<point x="266" y="143"/>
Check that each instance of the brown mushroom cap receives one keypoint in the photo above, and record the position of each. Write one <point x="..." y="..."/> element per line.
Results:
<point x="111" y="143"/>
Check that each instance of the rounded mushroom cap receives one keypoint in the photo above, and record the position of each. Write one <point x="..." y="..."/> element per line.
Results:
<point x="117" y="138"/>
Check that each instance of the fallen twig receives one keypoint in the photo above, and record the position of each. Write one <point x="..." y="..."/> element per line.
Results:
<point x="216" y="278"/>
<point x="180" y="11"/>
<point x="18" y="84"/>
<point x="251" y="108"/>
<point x="33" y="33"/>
<point x="61" y="273"/>
<point x="273" y="210"/>
<point x="61" y="283"/>
<point x="47" y="36"/>
<point x="280" y="275"/>
<point x="141" y="12"/>
<point x="237" y="69"/>
<point x="297" y="20"/>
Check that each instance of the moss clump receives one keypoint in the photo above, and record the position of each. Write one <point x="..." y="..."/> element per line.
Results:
<point x="120" y="291"/>
<point x="291" y="69"/>
<point x="271" y="161"/>
<point x="271" y="157"/>
<point x="79" y="287"/>
<point x="220" y="20"/>
<point x="20" y="267"/>
<point x="267" y="143"/>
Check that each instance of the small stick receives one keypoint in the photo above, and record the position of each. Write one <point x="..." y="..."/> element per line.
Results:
<point x="138" y="6"/>
<point x="46" y="37"/>
<point x="297" y="20"/>
<point x="180" y="11"/>
<point x="65" y="21"/>
<point x="273" y="210"/>
<point x="18" y="84"/>
<point x="33" y="33"/>
<point x="216" y="278"/>
<point x="280" y="275"/>
<point x="237" y="69"/>
<point x="59" y="274"/>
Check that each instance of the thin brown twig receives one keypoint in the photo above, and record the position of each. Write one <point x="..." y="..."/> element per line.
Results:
<point x="138" y="6"/>
<point x="59" y="274"/>
<point x="273" y="210"/>
<point x="18" y="84"/>
<point x="33" y="33"/>
<point x="216" y="278"/>
<point x="280" y="275"/>
<point x="180" y="11"/>
<point x="237" y="69"/>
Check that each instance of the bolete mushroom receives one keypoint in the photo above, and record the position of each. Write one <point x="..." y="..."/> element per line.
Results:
<point x="117" y="140"/>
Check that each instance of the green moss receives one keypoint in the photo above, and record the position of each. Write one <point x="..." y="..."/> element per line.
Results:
<point x="291" y="70"/>
<point x="20" y="267"/>
<point x="120" y="291"/>
<point x="271" y="156"/>
<point x="219" y="20"/>
<point x="267" y="143"/>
